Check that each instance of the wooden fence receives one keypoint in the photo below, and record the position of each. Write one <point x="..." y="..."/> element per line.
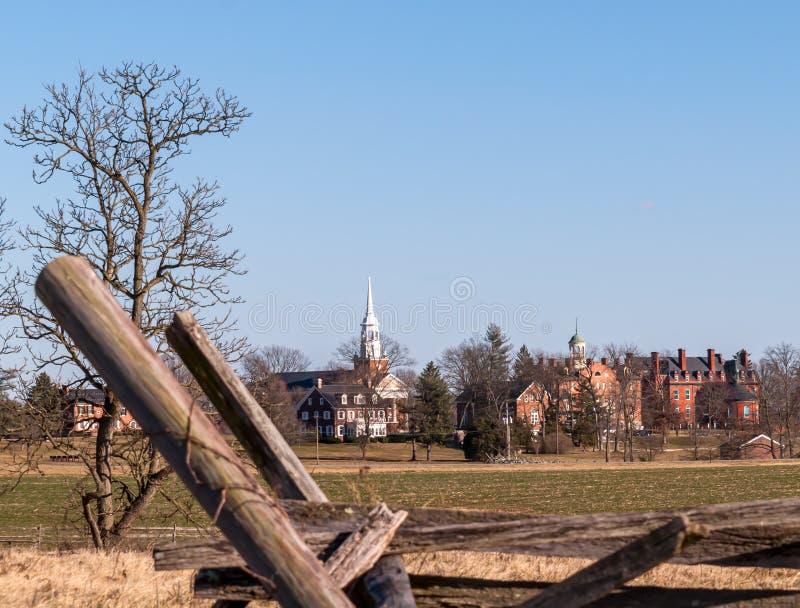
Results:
<point x="68" y="538"/>
<point x="304" y="551"/>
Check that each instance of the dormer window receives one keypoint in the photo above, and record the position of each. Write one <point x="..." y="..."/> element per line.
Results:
<point x="344" y="399"/>
<point x="359" y="400"/>
<point x="374" y="399"/>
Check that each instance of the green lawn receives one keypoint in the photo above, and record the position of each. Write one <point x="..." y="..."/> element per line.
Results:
<point x="49" y="500"/>
<point x="569" y="491"/>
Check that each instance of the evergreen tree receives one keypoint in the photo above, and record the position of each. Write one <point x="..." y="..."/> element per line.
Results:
<point x="523" y="370"/>
<point x="43" y="403"/>
<point x="483" y="440"/>
<point x="433" y="411"/>
<point x="497" y="378"/>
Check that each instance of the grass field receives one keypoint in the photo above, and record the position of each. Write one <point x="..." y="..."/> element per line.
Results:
<point x="50" y="499"/>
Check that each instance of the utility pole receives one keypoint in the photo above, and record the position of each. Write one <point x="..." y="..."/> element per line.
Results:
<point x="508" y="434"/>
<point x="316" y="436"/>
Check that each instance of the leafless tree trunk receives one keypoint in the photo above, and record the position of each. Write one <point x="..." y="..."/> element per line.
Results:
<point x="152" y="240"/>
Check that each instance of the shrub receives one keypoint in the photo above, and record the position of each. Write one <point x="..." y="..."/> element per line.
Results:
<point x="483" y="440"/>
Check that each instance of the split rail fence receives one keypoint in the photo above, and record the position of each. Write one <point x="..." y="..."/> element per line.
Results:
<point x="301" y="550"/>
<point x="68" y="538"/>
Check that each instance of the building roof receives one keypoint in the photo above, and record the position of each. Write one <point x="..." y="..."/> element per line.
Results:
<point x="739" y="393"/>
<point x="693" y="364"/>
<point x="333" y="393"/>
<point x="308" y="379"/>
<point x="94" y="396"/>
<point x="761" y="436"/>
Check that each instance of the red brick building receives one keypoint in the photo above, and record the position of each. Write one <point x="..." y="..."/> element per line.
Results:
<point x="733" y="384"/>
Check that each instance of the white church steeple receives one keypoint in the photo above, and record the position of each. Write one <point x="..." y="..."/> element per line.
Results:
<point x="370" y="330"/>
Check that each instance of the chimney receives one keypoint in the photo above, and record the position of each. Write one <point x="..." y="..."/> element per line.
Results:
<point x="712" y="361"/>
<point x="655" y="361"/>
<point x="554" y="362"/>
<point x="319" y="382"/>
<point x="628" y="359"/>
<point x="744" y="359"/>
<point x="604" y="360"/>
<point x="567" y="361"/>
<point x="682" y="358"/>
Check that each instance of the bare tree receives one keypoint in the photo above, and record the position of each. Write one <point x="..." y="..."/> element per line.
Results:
<point x="780" y="384"/>
<point x="274" y="359"/>
<point x="625" y="359"/>
<point x="711" y="399"/>
<point x="464" y="369"/>
<point x="154" y="241"/>
<point x="260" y="375"/>
<point x="397" y="354"/>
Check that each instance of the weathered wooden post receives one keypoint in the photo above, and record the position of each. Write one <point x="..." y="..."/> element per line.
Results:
<point x="387" y="584"/>
<point x="253" y="522"/>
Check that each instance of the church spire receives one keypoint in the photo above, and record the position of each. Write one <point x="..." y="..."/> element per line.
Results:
<point x="370" y="308"/>
<point x="370" y="330"/>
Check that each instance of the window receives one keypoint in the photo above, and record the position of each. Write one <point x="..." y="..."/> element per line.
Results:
<point x="688" y="411"/>
<point x="304" y="415"/>
<point x="688" y="394"/>
<point x="350" y="415"/>
<point x="359" y="400"/>
<point x="339" y="430"/>
<point x="340" y="415"/>
<point x="309" y="401"/>
<point x="675" y="394"/>
<point x="344" y="399"/>
<point x="535" y="417"/>
<point x="321" y="401"/>
<point x="117" y="425"/>
<point x="123" y="411"/>
<point x="329" y="430"/>
<point x="677" y="410"/>
<point x="374" y="399"/>
<point x="526" y="399"/>
<point x="746" y="411"/>
<point x="381" y="414"/>
<point x="132" y="425"/>
<point x="326" y="415"/>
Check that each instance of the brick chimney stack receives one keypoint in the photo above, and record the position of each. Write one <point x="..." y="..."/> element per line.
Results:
<point x="604" y="360"/>
<point x="712" y="361"/>
<point x="656" y="362"/>
<point x="319" y="382"/>
<point x="682" y="358"/>
<point x="744" y="359"/>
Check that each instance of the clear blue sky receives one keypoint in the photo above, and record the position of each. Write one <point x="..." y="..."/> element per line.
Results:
<point x="631" y="164"/>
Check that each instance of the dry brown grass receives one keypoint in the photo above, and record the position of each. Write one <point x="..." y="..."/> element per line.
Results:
<point x="90" y="579"/>
<point x="117" y="580"/>
<point x="552" y="569"/>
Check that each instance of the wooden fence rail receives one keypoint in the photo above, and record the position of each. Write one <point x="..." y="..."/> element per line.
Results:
<point x="70" y="537"/>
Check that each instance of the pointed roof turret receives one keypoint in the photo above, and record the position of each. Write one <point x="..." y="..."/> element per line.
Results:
<point x="577" y="337"/>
